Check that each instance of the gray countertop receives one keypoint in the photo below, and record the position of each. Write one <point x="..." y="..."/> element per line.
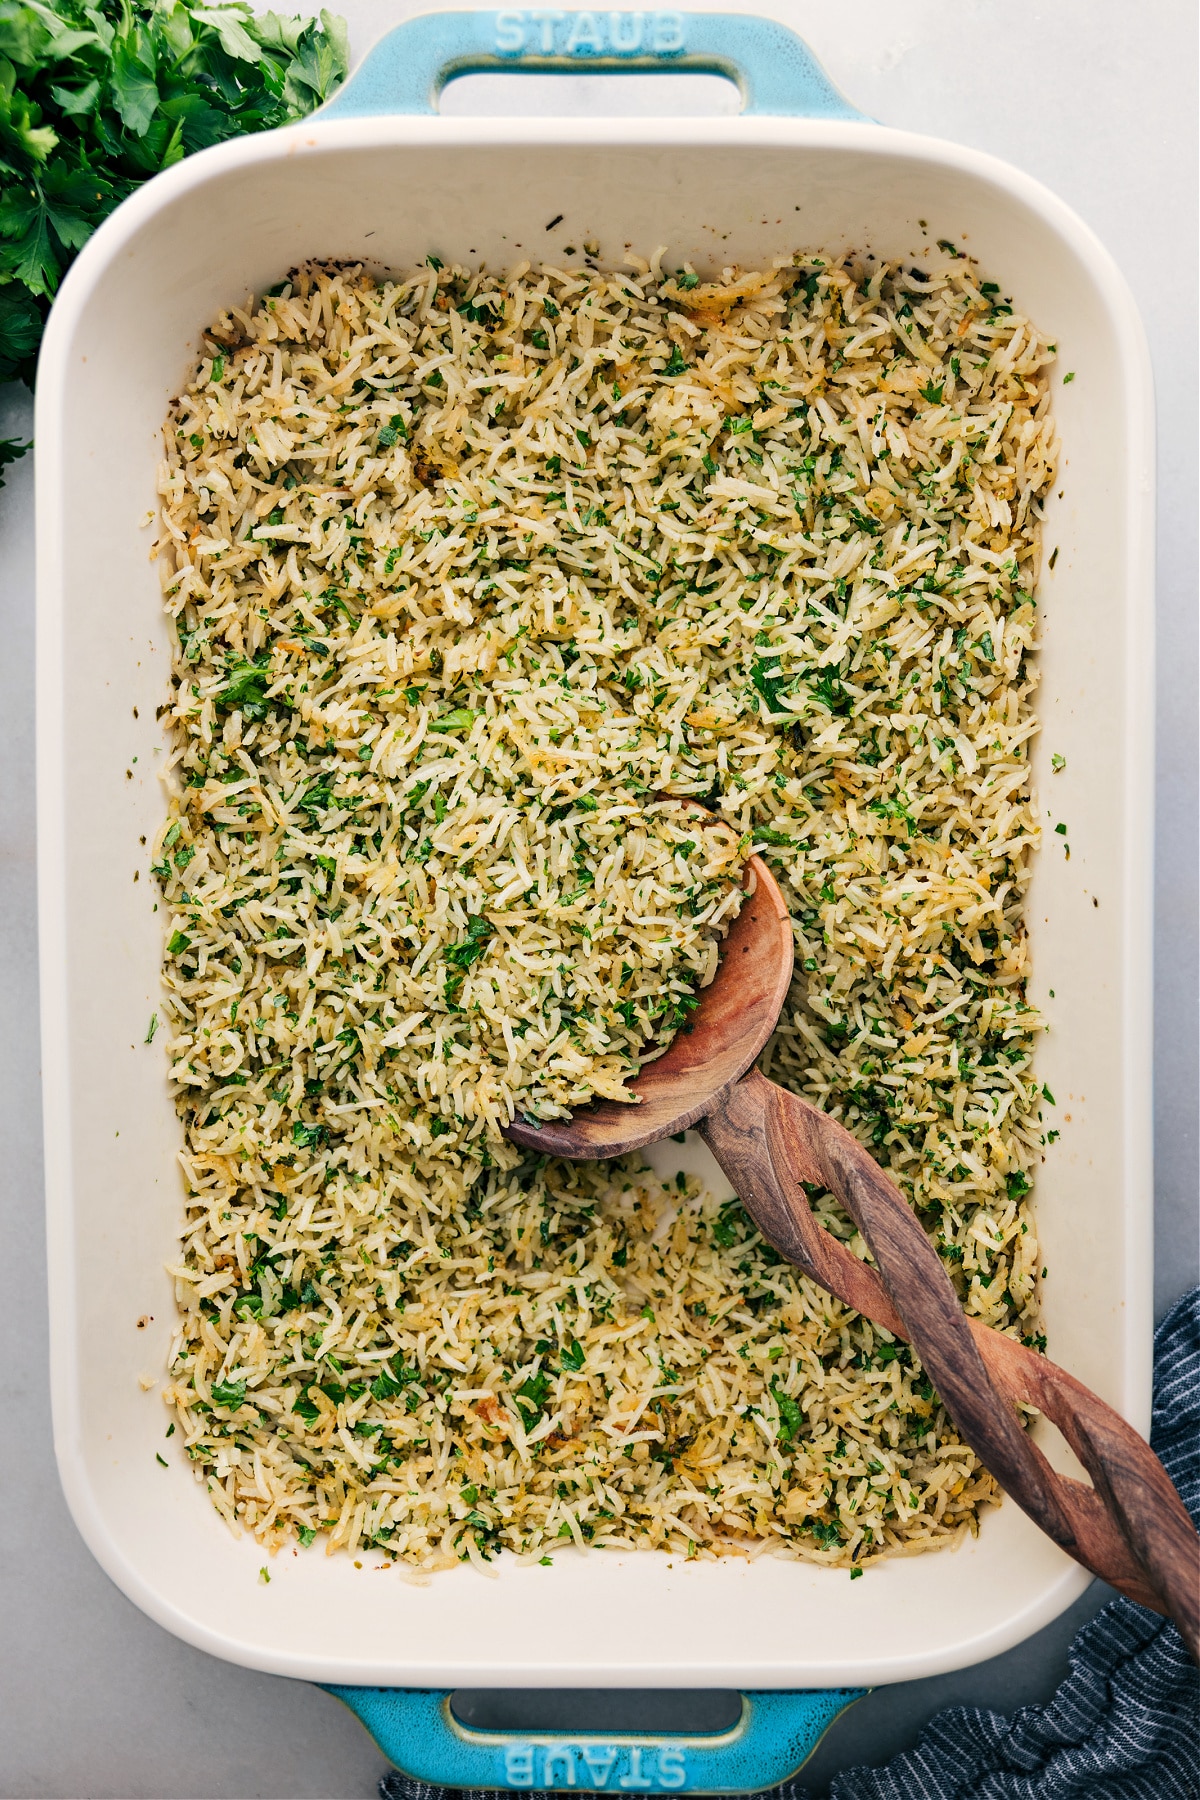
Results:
<point x="1095" y="98"/>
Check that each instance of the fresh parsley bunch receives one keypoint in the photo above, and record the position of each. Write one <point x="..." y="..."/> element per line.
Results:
<point x="96" y="98"/>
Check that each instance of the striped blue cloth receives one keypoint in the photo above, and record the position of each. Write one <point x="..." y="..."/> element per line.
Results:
<point x="1124" y="1725"/>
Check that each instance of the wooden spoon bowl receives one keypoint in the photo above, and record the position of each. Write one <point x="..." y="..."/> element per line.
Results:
<point x="738" y="1011"/>
<point x="1130" y="1527"/>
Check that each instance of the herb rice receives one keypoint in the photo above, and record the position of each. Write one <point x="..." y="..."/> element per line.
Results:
<point x="476" y="577"/>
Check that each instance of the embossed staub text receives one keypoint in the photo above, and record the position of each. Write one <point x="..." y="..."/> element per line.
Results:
<point x="627" y="1768"/>
<point x="545" y="32"/>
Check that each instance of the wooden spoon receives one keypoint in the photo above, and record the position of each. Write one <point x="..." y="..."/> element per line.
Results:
<point x="1130" y="1527"/>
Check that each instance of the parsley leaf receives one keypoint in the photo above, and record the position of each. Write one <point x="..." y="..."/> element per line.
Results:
<point x="98" y="95"/>
<point x="461" y="719"/>
<point x="247" y="689"/>
<point x="472" y="947"/>
<point x="392" y="1379"/>
<point x="769" y="681"/>
<point x="531" y="1398"/>
<point x="791" y="1419"/>
<point x="10" y="450"/>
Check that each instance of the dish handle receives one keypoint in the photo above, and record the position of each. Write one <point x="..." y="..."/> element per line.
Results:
<point x="775" y="1735"/>
<point x="405" y="72"/>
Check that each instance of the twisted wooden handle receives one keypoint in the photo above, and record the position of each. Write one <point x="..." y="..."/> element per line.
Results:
<point x="1131" y="1528"/>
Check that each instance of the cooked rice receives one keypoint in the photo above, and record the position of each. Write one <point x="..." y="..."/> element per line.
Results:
<point x="475" y="578"/>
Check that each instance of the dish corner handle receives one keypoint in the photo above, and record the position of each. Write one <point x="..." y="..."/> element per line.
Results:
<point x="776" y="1734"/>
<point x="406" y="70"/>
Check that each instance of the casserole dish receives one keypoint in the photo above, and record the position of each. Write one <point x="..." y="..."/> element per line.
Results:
<point x="372" y="178"/>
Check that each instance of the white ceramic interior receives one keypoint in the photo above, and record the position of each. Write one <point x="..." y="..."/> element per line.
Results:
<point x="120" y="341"/>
